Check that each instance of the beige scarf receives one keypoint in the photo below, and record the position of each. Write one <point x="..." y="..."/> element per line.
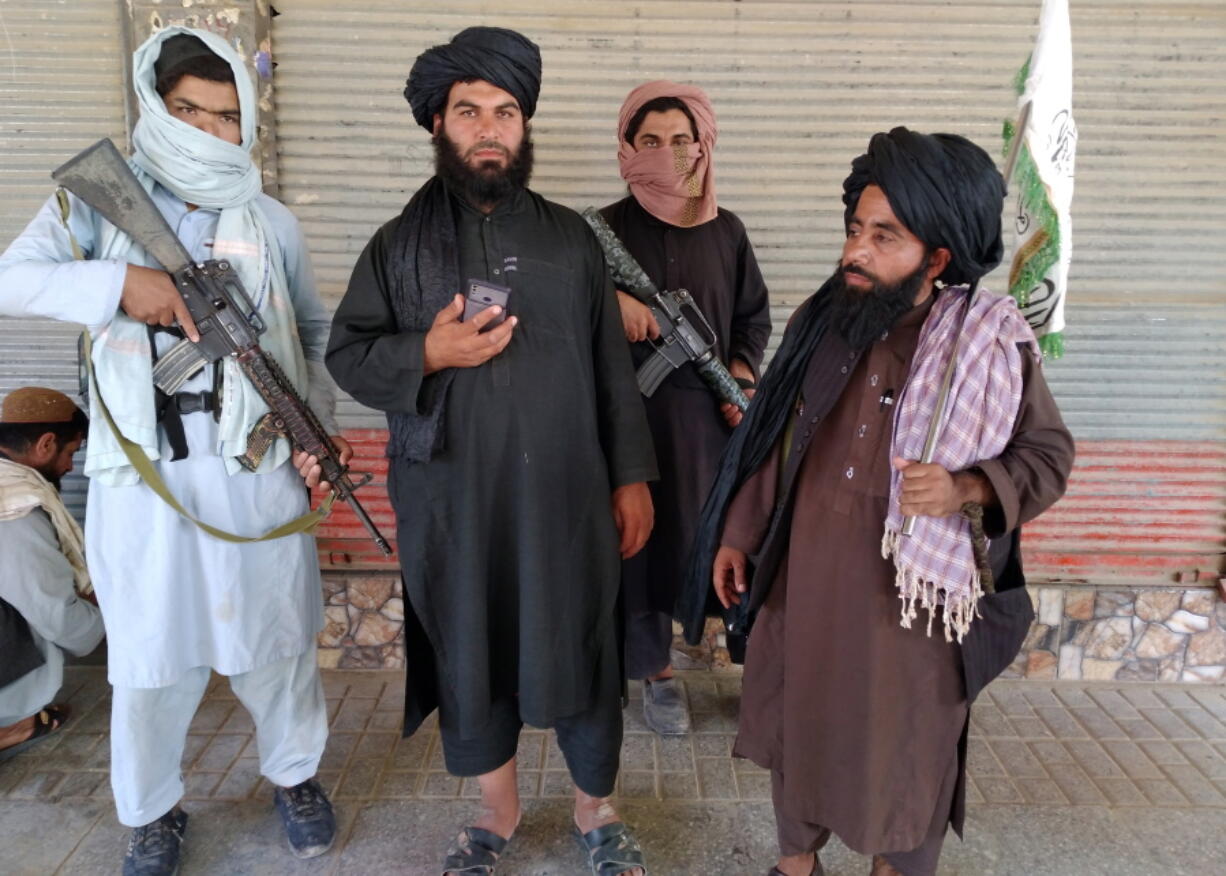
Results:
<point x="675" y="185"/>
<point x="22" y="489"/>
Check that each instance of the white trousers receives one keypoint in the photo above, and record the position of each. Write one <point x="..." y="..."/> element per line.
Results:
<point x="149" y="731"/>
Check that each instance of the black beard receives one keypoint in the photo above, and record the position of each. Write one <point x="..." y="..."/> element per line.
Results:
<point x="863" y="316"/>
<point x="50" y="477"/>
<point x="489" y="183"/>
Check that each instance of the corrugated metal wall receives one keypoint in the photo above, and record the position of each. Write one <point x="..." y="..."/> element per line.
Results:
<point x="799" y="87"/>
<point x="61" y="88"/>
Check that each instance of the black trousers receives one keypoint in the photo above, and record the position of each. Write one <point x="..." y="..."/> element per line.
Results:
<point x="590" y="740"/>
<point x="649" y="642"/>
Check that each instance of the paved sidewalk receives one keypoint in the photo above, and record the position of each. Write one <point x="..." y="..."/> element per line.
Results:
<point x="1066" y="778"/>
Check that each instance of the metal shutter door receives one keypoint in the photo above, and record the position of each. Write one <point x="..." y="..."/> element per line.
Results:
<point x="799" y="87"/>
<point x="62" y="88"/>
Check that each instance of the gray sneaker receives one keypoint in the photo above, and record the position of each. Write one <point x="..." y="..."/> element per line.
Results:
<point x="664" y="708"/>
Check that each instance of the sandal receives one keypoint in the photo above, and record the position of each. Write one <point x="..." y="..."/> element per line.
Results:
<point x="883" y="867"/>
<point x="612" y="849"/>
<point x="816" y="871"/>
<point x="46" y="722"/>
<point x="475" y="853"/>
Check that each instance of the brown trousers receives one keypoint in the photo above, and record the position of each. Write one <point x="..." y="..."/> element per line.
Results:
<point x="801" y="837"/>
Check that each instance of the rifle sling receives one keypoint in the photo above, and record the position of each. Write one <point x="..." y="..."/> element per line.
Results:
<point x="144" y="466"/>
<point x="148" y="472"/>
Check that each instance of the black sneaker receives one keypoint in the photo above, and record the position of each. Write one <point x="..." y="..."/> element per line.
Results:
<point x="153" y="849"/>
<point x="307" y="815"/>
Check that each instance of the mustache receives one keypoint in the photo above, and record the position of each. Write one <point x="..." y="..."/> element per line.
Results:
<point x="487" y="144"/>
<point x="486" y="181"/>
<point x="861" y="316"/>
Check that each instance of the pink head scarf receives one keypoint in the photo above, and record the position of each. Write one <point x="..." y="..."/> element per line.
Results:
<point x="677" y="184"/>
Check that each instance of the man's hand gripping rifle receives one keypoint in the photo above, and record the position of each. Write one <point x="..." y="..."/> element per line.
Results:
<point x="685" y="334"/>
<point x="224" y="315"/>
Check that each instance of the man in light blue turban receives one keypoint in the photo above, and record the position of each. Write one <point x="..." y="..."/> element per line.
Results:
<point x="178" y="603"/>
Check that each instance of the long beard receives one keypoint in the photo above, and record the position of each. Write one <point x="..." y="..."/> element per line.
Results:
<point x="862" y="317"/>
<point x="488" y="183"/>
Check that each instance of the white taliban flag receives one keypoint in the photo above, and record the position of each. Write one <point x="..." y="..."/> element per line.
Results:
<point x="1043" y="179"/>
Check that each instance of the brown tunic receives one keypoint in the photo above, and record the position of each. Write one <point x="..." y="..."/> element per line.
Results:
<point x="860" y="716"/>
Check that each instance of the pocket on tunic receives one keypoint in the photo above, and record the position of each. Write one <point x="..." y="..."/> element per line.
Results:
<point x="543" y="297"/>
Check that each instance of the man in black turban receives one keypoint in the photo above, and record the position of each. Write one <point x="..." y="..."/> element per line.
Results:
<point x="499" y="56"/>
<point x="860" y="715"/>
<point x="518" y="452"/>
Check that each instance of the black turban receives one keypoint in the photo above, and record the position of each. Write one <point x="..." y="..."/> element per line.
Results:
<point x="944" y="188"/>
<point x="177" y="51"/>
<point x="499" y="56"/>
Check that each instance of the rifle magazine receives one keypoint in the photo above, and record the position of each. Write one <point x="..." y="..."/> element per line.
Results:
<point x="652" y="373"/>
<point x="177" y="365"/>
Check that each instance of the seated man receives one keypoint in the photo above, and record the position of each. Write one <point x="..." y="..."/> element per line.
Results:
<point x="42" y="565"/>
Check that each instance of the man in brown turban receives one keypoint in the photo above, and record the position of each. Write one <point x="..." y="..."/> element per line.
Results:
<point x="43" y="582"/>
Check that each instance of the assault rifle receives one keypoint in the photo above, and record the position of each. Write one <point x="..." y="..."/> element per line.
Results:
<point x="685" y="334"/>
<point x="228" y="322"/>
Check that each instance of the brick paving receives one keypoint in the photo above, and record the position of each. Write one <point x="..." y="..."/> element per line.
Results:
<point x="1062" y="745"/>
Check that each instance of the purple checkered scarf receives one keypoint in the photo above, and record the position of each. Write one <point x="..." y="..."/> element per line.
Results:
<point x="935" y="565"/>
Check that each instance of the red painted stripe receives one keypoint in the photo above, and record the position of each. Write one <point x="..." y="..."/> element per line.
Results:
<point x="1135" y="512"/>
<point x="1146" y="512"/>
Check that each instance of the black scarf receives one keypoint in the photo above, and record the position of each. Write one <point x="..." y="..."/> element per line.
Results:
<point x="425" y="260"/>
<point x="748" y="448"/>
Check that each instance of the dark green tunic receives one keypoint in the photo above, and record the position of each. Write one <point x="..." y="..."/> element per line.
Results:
<point x="506" y="539"/>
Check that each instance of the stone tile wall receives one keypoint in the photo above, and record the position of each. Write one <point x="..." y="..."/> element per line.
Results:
<point x="1125" y="635"/>
<point x="363" y="622"/>
<point x="1080" y="633"/>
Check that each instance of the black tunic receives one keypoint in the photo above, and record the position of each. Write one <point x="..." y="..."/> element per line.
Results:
<point x="715" y="263"/>
<point x="507" y="543"/>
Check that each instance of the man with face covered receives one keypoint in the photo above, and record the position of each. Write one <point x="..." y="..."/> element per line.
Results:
<point x="179" y="603"/>
<point x="859" y="713"/>
<point x="675" y="230"/>
<point x="518" y="452"/>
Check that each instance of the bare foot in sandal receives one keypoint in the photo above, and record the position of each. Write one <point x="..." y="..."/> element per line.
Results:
<point x="607" y="847"/>
<point x="477" y="848"/>
<point x="798" y="865"/>
<point x="16" y="738"/>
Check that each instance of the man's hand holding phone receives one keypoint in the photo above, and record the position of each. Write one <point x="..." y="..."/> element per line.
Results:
<point x="455" y="343"/>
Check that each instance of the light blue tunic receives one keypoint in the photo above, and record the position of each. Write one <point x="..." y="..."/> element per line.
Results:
<point x="37" y="580"/>
<point x="173" y="597"/>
